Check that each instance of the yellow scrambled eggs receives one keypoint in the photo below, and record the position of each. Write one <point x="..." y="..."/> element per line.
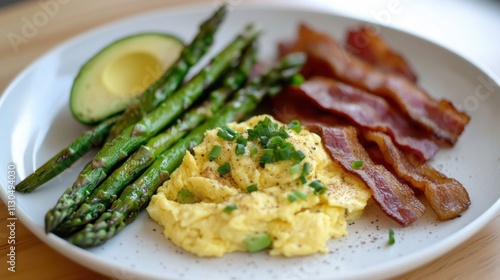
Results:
<point x="253" y="203"/>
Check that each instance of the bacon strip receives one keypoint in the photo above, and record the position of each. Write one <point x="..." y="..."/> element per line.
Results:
<point x="397" y="200"/>
<point x="367" y="45"/>
<point x="290" y="105"/>
<point x="446" y="196"/>
<point x="439" y="117"/>
<point x="369" y="112"/>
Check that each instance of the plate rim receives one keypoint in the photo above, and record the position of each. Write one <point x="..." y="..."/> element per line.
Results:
<point x="87" y="258"/>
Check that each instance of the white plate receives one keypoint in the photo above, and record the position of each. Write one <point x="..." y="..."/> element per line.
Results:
<point x="40" y="124"/>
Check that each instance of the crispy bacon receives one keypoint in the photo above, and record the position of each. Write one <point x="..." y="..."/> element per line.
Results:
<point x="369" y="112"/>
<point x="367" y="45"/>
<point x="397" y="200"/>
<point x="439" y="117"/>
<point x="447" y="197"/>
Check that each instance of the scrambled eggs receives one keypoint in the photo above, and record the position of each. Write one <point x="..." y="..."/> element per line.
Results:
<point x="216" y="203"/>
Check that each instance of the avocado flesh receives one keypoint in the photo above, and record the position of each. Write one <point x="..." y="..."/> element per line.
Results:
<point x="124" y="69"/>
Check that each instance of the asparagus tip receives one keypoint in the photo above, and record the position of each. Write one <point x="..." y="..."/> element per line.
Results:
<point x="98" y="233"/>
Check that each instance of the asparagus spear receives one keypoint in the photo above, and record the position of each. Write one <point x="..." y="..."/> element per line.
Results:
<point x="172" y="78"/>
<point x="107" y="191"/>
<point x="151" y="97"/>
<point x="65" y="158"/>
<point x="135" y="197"/>
<point x="135" y="135"/>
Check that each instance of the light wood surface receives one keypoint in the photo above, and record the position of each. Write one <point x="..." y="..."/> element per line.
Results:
<point x="478" y="258"/>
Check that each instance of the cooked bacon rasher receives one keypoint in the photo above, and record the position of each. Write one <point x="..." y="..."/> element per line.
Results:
<point x="396" y="199"/>
<point x="367" y="45"/>
<point x="326" y="57"/>
<point x="447" y="197"/>
<point x="369" y="112"/>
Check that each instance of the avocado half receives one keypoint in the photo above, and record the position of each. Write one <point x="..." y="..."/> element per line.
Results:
<point x="122" y="70"/>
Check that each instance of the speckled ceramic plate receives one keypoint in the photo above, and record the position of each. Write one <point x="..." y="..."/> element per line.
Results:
<point x="36" y="123"/>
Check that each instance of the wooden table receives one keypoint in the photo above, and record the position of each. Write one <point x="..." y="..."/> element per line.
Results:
<point x="478" y="258"/>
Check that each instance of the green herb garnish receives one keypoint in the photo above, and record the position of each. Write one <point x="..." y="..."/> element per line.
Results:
<point x="284" y="154"/>
<point x="300" y="195"/>
<point x="297" y="80"/>
<point x="295" y="126"/>
<point x="292" y="197"/>
<point x="253" y="150"/>
<point x="306" y="169"/>
<point x="303" y="179"/>
<point x="357" y="164"/>
<point x="239" y="149"/>
<point x="230" y="208"/>
<point x="318" y="187"/>
<point x="215" y="152"/>
<point x="298" y="156"/>
<point x="294" y="169"/>
<point x="185" y="196"/>
<point x="227" y="133"/>
<point x="273" y="141"/>
<point x="267" y="156"/>
<point x="230" y="131"/>
<point x="391" y="240"/>
<point x="258" y="242"/>
<point x="241" y="140"/>
<point x="252" y="188"/>
<point x="224" y="169"/>
<point x="296" y="195"/>
<point x="266" y="129"/>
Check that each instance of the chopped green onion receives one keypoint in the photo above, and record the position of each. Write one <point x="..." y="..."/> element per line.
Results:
<point x="295" y="126"/>
<point x="292" y="197"/>
<point x="284" y="154"/>
<point x="318" y="187"/>
<point x="230" y="208"/>
<point x="224" y="169"/>
<point x="241" y="140"/>
<point x="230" y="131"/>
<point x="258" y="242"/>
<point x="263" y="140"/>
<point x="297" y="80"/>
<point x="222" y="133"/>
<point x="265" y="130"/>
<point x="252" y="134"/>
<point x="300" y="195"/>
<point x="296" y="195"/>
<point x="357" y="164"/>
<point x="282" y="133"/>
<point x="294" y="169"/>
<point x="303" y="179"/>
<point x="272" y="138"/>
<point x="215" y="152"/>
<point x="275" y="142"/>
<point x="391" y="240"/>
<point x="298" y="156"/>
<point x="185" y="196"/>
<point x="253" y="150"/>
<point x="267" y="122"/>
<point x="267" y="157"/>
<point x="252" y="188"/>
<point x="239" y="149"/>
<point x="306" y="169"/>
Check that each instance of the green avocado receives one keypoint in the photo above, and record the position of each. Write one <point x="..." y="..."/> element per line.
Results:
<point x="122" y="70"/>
